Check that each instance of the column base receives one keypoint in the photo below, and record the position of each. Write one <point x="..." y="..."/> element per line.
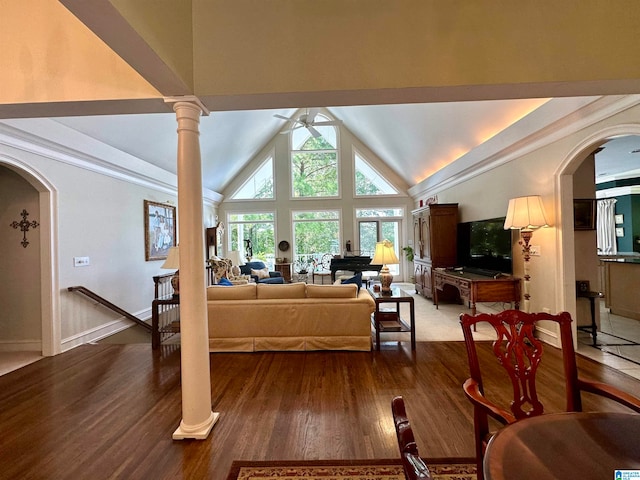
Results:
<point x="197" y="432"/>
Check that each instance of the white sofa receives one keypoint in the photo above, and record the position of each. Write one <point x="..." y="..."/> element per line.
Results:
<point x="295" y="316"/>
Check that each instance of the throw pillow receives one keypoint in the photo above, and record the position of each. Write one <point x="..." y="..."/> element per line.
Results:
<point x="357" y="279"/>
<point x="225" y="281"/>
<point x="262" y="273"/>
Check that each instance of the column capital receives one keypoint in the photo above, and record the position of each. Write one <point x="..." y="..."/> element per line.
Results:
<point x="188" y="99"/>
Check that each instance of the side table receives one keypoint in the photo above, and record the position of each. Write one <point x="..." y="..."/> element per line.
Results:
<point x="593" y="328"/>
<point x="384" y="320"/>
<point x="285" y="270"/>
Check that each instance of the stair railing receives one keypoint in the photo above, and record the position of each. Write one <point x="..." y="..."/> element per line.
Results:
<point x="94" y="296"/>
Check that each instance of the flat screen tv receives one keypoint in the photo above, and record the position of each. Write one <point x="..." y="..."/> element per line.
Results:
<point x="485" y="244"/>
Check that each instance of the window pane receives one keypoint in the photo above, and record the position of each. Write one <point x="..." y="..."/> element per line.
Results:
<point x="318" y="215"/>
<point x="369" y="181"/>
<point x="368" y="237"/>
<point x="260" y="229"/>
<point x="315" y="236"/>
<point x="386" y="212"/>
<point x="250" y="217"/>
<point x="314" y="162"/>
<point x="259" y="185"/>
<point x="314" y="174"/>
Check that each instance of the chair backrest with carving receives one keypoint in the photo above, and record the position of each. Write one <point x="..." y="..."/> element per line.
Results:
<point x="413" y="466"/>
<point x="519" y="352"/>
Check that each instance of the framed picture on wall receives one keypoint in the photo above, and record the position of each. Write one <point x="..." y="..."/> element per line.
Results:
<point x="159" y="230"/>
<point x="584" y="214"/>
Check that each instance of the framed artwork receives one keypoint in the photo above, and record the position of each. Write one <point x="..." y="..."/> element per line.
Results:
<point x="619" y="231"/>
<point x="159" y="230"/>
<point x="584" y="214"/>
<point x="619" y="219"/>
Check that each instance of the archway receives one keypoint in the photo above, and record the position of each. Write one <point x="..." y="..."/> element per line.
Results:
<point x="564" y="209"/>
<point x="48" y="271"/>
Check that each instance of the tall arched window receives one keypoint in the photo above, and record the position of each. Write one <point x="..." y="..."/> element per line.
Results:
<point x="314" y="161"/>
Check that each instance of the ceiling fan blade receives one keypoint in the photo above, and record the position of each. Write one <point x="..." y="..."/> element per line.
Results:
<point x="328" y="122"/>
<point x="289" y="130"/>
<point x="312" y="114"/>
<point x="284" y="118"/>
<point x="313" y="131"/>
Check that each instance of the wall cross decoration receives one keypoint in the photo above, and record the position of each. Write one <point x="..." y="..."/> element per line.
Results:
<point x="24" y="226"/>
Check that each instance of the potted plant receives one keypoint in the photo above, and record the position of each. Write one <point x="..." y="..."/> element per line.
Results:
<point x="408" y="251"/>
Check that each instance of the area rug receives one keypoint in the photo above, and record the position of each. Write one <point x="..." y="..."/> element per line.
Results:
<point x="384" y="469"/>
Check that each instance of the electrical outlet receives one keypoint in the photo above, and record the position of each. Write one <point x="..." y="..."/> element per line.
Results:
<point x="81" y="261"/>
<point x="534" y="250"/>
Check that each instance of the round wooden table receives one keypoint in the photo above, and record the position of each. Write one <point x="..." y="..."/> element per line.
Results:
<point x="565" y="445"/>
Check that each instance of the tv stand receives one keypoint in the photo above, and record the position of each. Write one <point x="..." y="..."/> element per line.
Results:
<point x="475" y="288"/>
<point x="485" y="272"/>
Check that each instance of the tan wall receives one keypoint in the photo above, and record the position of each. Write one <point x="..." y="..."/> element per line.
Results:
<point x="248" y="54"/>
<point x="47" y="55"/>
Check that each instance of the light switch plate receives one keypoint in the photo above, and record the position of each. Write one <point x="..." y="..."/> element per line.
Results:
<point x="81" y="261"/>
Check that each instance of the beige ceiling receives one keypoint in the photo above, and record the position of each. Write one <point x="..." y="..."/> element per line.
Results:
<point x="420" y="82"/>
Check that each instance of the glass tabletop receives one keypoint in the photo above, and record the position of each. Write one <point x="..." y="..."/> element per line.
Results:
<point x="395" y="292"/>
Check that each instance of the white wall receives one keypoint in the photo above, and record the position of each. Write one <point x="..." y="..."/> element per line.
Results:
<point x="99" y="215"/>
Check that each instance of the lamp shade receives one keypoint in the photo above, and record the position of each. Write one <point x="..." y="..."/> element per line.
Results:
<point x="173" y="259"/>
<point x="384" y="254"/>
<point x="525" y="213"/>
<point x="236" y="259"/>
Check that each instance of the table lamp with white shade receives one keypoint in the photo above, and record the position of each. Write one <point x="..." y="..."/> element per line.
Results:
<point x="236" y="261"/>
<point x="526" y="214"/>
<point x="173" y="261"/>
<point x="385" y="255"/>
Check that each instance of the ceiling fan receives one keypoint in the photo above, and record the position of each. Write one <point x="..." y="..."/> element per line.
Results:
<point x="307" y="120"/>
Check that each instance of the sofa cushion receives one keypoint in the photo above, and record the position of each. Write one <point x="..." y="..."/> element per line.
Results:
<point x="332" y="291"/>
<point x="261" y="273"/>
<point x="287" y="290"/>
<point x="256" y="265"/>
<point x="356" y="279"/>
<point x="235" y="292"/>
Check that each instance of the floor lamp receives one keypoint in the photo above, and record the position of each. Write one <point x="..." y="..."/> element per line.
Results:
<point x="525" y="214"/>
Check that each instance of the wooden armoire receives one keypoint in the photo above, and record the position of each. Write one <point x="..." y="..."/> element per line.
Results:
<point x="435" y="230"/>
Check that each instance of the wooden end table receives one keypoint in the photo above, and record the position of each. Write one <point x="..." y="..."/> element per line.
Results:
<point x="384" y="320"/>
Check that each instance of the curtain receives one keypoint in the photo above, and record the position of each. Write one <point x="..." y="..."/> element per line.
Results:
<point x="606" y="226"/>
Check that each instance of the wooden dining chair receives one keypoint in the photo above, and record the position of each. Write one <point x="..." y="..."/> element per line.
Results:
<point x="519" y="352"/>
<point x="414" y="467"/>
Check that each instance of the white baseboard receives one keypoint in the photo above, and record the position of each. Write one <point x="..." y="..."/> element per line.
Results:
<point x="105" y="330"/>
<point x="547" y="336"/>
<point x="21" y="346"/>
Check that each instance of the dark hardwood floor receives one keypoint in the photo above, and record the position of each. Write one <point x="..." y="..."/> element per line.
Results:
<point x="108" y="411"/>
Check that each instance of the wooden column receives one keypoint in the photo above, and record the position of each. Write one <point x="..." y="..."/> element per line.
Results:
<point x="197" y="417"/>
